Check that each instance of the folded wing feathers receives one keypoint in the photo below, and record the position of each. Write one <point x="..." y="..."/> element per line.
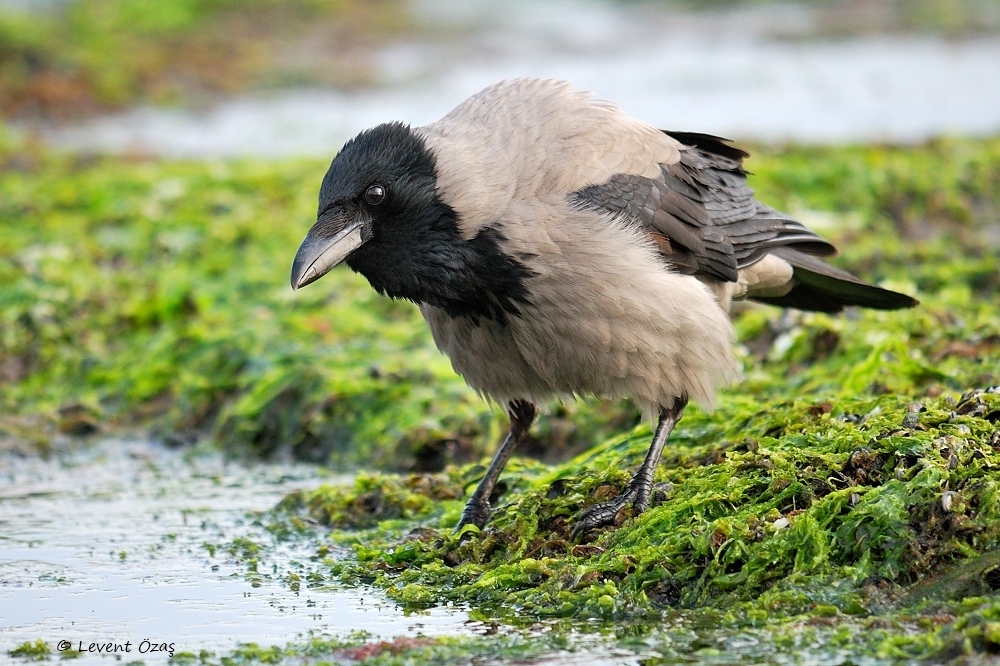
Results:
<point x="684" y="209"/>
<point x="703" y="205"/>
<point x="689" y="190"/>
<point x="678" y="232"/>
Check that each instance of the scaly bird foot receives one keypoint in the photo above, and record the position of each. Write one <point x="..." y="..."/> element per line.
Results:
<point x="605" y="514"/>
<point x="477" y="514"/>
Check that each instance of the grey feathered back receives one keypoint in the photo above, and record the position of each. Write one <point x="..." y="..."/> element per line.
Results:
<point x="636" y="240"/>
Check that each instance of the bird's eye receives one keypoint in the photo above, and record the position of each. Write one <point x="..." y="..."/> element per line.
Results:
<point x="375" y="194"/>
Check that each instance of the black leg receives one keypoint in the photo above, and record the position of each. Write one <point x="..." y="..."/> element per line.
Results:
<point x="477" y="510"/>
<point x="639" y="488"/>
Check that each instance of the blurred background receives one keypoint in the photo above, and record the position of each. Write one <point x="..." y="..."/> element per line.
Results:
<point x="282" y="77"/>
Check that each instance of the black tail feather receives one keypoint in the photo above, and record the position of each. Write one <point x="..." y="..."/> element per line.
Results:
<point x="823" y="288"/>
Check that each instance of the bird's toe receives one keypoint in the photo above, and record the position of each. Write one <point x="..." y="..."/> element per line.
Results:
<point x="475" y="513"/>
<point x="606" y="514"/>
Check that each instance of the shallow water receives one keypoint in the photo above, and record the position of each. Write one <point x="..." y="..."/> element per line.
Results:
<point x="109" y="545"/>
<point x="758" y="74"/>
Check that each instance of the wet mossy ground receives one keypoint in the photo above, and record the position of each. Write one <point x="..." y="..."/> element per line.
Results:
<point x="868" y="529"/>
<point x="841" y="502"/>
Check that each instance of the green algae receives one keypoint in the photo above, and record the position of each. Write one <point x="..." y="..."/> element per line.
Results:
<point x="38" y="650"/>
<point x="735" y="518"/>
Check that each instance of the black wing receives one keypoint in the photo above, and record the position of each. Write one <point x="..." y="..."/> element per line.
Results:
<point x="706" y="222"/>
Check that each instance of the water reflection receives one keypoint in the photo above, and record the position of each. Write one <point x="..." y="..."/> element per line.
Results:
<point x="126" y="542"/>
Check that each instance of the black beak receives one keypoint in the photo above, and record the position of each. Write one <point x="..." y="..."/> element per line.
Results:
<point x="328" y="243"/>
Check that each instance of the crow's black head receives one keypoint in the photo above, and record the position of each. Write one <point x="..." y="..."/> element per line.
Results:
<point x="381" y="212"/>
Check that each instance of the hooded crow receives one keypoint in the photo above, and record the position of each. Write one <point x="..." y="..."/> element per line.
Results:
<point x="557" y="247"/>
